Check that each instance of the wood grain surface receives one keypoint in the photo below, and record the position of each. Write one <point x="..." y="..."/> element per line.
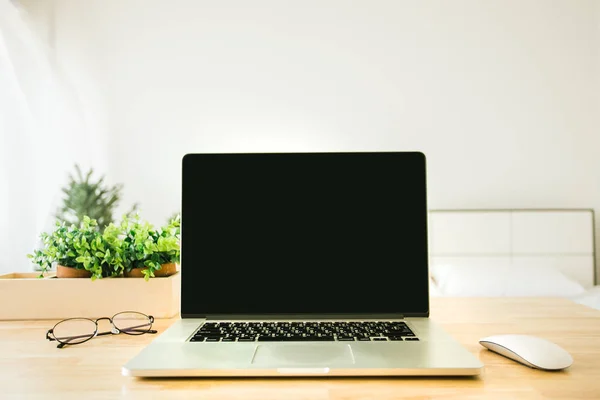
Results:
<point x="33" y="368"/>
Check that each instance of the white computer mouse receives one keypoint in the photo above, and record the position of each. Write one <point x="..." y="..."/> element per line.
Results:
<point x="529" y="350"/>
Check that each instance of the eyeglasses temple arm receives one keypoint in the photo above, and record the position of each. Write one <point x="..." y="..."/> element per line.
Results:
<point x="140" y="330"/>
<point x="68" y="339"/>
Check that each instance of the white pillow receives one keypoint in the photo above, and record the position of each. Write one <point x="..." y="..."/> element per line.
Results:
<point x="474" y="281"/>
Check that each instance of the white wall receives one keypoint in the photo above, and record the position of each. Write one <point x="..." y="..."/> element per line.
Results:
<point x="501" y="95"/>
<point x="43" y="130"/>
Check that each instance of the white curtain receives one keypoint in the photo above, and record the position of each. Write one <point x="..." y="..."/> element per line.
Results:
<point x="44" y="130"/>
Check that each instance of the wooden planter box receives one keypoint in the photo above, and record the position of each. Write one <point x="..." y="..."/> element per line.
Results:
<point x="25" y="296"/>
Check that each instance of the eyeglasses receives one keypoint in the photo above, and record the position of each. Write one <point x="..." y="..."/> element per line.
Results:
<point x="79" y="330"/>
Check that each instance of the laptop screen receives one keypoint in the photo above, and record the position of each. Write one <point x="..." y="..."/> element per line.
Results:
<point x="304" y="233"/>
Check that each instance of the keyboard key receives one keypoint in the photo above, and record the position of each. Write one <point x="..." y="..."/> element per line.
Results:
<point x="379" y="339"/>
<point x="411" y="339"/>
<point x="345" y="339"/>
<point x="197" y="339"/>
<point x="295" y="339"/>
<point x="307" y="339"/>
<point x="248" y="339"/>
<point x="395" y="338"/>
<point x="213" y="339"/>
<point x="208" y="333"/>
<point x="396" y="333"/>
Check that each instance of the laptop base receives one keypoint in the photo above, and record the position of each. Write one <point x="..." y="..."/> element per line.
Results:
<point x="173" y="355"/>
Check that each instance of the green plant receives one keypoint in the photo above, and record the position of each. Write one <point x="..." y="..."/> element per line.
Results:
<point x="86" y="197"/>
<point x="82" y="247"/>
<point x="176" y="215"/>
<point x="149" y="248"/>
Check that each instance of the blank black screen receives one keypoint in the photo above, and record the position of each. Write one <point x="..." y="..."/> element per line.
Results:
<point x="303" y="233"/>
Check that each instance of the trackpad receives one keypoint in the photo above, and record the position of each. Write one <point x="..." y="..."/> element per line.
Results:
<point x="302" y="354"/>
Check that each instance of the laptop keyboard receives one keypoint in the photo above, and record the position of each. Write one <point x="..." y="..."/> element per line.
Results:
<point x="362" y="331"/>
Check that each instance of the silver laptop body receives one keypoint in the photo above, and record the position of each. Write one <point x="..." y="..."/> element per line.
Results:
<point x="304" y="264"/>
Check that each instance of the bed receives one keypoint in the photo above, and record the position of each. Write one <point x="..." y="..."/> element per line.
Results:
<point x="514" y="252"/>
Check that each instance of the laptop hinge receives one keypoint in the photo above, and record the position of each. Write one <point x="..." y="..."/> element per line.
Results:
<point x="300" y="316"/>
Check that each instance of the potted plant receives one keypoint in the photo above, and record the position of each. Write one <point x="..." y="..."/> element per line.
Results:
<point x="85" y="196"/>
<point x="81" y="252"/>
<point x="149" y="252"/>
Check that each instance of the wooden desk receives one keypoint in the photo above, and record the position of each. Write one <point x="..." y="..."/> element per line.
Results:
<point x="32" y="368"/>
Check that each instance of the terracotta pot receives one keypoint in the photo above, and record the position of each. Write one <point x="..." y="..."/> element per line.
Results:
<point x="68" y="272"/>
<point x="165" y="270"/>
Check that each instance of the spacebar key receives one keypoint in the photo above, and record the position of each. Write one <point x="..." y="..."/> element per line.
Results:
<point x="309" y="339"/>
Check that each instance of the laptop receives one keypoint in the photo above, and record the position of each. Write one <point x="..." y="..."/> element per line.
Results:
<point x="304" y="264"/>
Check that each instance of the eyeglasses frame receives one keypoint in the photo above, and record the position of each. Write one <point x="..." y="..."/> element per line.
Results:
<point x="113" y="331"/>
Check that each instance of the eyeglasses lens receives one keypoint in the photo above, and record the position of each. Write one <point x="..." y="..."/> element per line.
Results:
<point x="73" y="331"/>
<point x="132" y="323"/>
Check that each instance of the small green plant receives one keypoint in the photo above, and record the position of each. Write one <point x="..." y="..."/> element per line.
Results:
<point x="175" y="216"/>
<point x="86" y="197"/>
<point x="82" y="247"/>
<point x="149" y="248"/>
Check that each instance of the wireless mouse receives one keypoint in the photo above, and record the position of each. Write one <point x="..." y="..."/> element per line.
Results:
<point x="529" y="350"/>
